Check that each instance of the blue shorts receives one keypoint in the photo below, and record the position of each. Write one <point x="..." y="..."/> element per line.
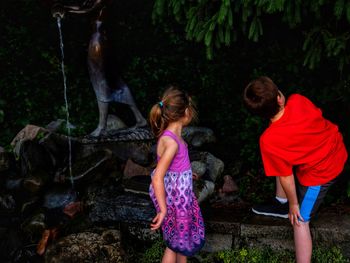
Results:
<point x="310" y="198"/>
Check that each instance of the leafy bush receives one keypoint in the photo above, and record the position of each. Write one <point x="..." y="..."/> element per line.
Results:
<point x="251" y="255"/>
<point x="154" y="253"/>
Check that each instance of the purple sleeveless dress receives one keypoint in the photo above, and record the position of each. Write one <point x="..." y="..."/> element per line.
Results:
<point x="183" y="227"/>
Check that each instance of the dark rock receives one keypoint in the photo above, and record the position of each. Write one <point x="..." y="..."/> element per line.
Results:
<point x="138" y="184"/>
<point x="87" y="247"/>
<point x="57" y="148"/>
<point x="198" y="136"/>
<point x="198" y="168"/>
<point x="214" y="166"/>
<point x="140" y="232"/>
<point x="57" y="125"/>
<point x="229" y="185"/>
<point x="93" y="167"/>
<point x="59" y="197"/>
<point x="29" y="205"/>
<point x="35" y="163"/>
<point x="7" y="204"/>
<point x="105" y="206"/>
<point x="33" y="184"/>
<point x="28" y="133"/>
<point x="34" y="226"/>
<point x="138" y="152"/>
<point x="13" y="184"/>
<point x="10" y="245"/>
<point x="205" y="190"/>
<point x="5" y="161"/>
<point x="114" y="123"/>
<point x="133" y="169"/>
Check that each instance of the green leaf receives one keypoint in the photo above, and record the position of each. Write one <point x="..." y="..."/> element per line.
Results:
<point x="191" y="24"/>
<point x="212" y="26"/>
<point x="209" y="52"/>
<point x="217" y="43"/>
<point x="227" y="36"/>
<point x="348" y="11"/>
<point x="222" y="13"/>
<point x="2" y="114"/>
<point x="201" y="35"/>
<point x="252" y="29"/>
<point x="208" y="38"/>
<point x="230" y="18"/>
<point x="221" y="34"/>
<point x="338" y="8"/>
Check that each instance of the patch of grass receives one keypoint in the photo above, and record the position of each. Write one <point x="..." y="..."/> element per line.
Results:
<point x="248" y="255"/>
<point x="154" y="253"/>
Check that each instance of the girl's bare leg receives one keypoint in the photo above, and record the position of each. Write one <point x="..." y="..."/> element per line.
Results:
<point x="169" y="256"/>
<point x="180" y="258"/>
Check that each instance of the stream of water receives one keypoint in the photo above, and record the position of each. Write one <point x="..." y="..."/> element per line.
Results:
<point x="66" y="101"/>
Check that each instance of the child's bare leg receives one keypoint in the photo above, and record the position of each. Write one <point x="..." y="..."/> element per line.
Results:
<point x="169" y="256"/>
<point x="279" y="190"/>
<point x="303" y="242"/>
<point x="180" y="258"/>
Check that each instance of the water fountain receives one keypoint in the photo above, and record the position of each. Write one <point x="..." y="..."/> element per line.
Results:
<point x="66" y="102"/>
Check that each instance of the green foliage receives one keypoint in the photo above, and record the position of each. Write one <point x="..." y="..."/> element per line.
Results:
<point x="319" y="41"/>
<point x="325" y="255"/>
<point x="154" y="253"/>
<point x="249" y="255"/>
<point x="218" y="23"/>
<point x="254" y="255"/>
<point x="258" y="255"/>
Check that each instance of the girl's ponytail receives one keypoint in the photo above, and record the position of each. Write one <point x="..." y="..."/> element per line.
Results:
<point x="157" y="121"/>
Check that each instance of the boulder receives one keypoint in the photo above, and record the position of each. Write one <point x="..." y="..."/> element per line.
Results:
<point x="29" y="132"/>
<point x="229" y="185"/>
<point x="114" y="123"/>
<point x="87" y="247"/>
<point x="106" y="206"/>
<point x="133" y="169"/>
<point x="198" y="168"/>
<point x="204" y="190"/>
<point x="214" y="166"/>
<point x="5" y="160"/>
<point x="59" y="125"/>
<point x="198" y="136"/>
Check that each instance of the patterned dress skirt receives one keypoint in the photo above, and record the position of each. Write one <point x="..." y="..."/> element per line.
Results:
<point x="183" y="226"/>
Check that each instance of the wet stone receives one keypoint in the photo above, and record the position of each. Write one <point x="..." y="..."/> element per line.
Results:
<point x="59" y="197"/>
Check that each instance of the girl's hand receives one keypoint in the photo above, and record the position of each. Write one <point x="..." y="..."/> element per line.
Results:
<point x="158" y="220"/>
<point x="195" y="176"/>
<point x="294" y="214"/>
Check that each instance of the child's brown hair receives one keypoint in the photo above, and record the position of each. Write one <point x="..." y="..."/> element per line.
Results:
<point x="260" y="97"/>
<point x="172" y="107"/>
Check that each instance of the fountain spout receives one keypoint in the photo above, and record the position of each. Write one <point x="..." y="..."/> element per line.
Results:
<point x="57" y="10"/>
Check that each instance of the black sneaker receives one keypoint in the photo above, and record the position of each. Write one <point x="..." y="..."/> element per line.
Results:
<point x="275" y="208"/>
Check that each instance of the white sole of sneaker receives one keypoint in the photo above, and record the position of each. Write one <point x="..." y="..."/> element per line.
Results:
<point x="269" y="214"/>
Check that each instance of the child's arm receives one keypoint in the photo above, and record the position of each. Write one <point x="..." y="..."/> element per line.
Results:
<point x="288" y="185"/>
<point x="168" y="148"/>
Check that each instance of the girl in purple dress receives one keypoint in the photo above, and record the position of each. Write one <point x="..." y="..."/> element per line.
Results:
<point x="171" y="191"/>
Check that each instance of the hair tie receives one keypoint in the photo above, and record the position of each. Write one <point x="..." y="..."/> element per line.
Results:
<point x="161" y="104"/>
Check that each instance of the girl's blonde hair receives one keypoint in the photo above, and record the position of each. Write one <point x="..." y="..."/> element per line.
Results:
<point x="171" y="108"/>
